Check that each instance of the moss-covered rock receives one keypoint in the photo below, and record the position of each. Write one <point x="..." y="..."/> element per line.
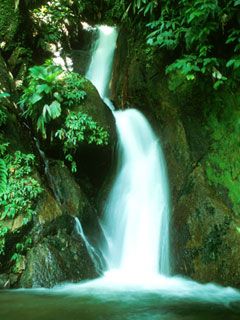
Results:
<point x="207" y="242"/>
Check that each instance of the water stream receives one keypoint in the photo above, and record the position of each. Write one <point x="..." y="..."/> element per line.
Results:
<point x="135" y="222"/>
<point x="136" y="216"/>
<point x="137" y="284"/>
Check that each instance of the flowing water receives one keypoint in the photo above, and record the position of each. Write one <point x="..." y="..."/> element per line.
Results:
<point x="136" y="284"/>
<point x="136" y="217"/>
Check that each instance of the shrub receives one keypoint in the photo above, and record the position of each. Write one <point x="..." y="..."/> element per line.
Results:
<point x="49" y="89"/>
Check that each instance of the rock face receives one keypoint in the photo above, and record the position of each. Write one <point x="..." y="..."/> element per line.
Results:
<point x="204" y="235"/>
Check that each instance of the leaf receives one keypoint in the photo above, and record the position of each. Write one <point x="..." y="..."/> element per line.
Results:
<point x="35" y="98"/>
<point x="46" y="110"/>
<point x="43" y="88"/>
<point x="190" y="77"/>
<point x="41" y="126"/>
<point x="235" y="63"/>
<point x="3" y="176"/>
<point x="4" y="95"/>
<point x="55" y="109"/>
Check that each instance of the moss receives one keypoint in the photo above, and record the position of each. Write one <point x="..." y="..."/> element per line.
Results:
<point x="223" y="163"/>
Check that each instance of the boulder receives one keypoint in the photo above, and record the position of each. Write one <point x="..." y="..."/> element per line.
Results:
<point x="60" y="257"/>
<point x="206" y="238"/>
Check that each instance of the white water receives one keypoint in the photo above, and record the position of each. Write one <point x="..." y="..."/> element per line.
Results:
<point x="136" y="217"/>
<point x="136" y="220"/>
<point x="99" y="71"/>
<point x="135" y="223"/>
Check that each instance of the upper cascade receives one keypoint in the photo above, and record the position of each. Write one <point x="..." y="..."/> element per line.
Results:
<point x="100" y="68"/>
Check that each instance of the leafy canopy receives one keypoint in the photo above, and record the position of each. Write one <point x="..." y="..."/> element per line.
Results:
<point x="204" y="35"/>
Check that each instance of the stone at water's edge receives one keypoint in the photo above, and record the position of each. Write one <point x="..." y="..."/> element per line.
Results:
<point x="60" y="256"/>
<point x="58" y="253"/>
<point x="205" y="241"/>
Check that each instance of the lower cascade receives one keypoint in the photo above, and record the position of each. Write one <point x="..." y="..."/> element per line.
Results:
<point x="135" y="224"/>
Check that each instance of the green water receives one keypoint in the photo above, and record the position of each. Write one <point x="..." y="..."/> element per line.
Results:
<point x="17" y="305"/>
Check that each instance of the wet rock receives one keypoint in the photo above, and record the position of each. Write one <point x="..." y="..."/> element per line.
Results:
<point x="72" y="199"/>
<point x="47" y="208"/>
<point x="58" y="258"/>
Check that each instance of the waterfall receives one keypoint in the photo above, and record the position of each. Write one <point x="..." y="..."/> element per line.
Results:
<point x="97" y="261"/>
<point x="135" y="222"/>
<point x="99" y="71"/>
<point x="136" y="216"/>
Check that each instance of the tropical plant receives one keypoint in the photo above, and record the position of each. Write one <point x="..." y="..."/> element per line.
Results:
<point x="49" y="89"/>
<point x="204" y="35"/>
<point x="80" y="127"/>
<point x="21" y="190"/>
<point x="41" y="100"/>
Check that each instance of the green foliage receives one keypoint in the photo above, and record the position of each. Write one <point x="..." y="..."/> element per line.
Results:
<point x="4" y="95"/>
<point x="144" y="6"/>
<point x="41" y="99"/>
<point x="80" y="128"/>
<point x="73" y="92"/>
<point x="3" y="147"/>
<point x="50" y="19"/>
<point x="18" y="258"/>
<point x="49" y="88"/>
<point x="21" y="191"/>
<point x="204" y="34"/>
<point x="55" y="19"/>
<point x="3" y="232"/>
<point x="3" y="113"/>
<point x="9" y="20"/>
<point x="223" y="162"/>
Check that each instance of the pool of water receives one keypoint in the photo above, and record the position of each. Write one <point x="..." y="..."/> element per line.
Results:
<point x="175" y="299"/>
